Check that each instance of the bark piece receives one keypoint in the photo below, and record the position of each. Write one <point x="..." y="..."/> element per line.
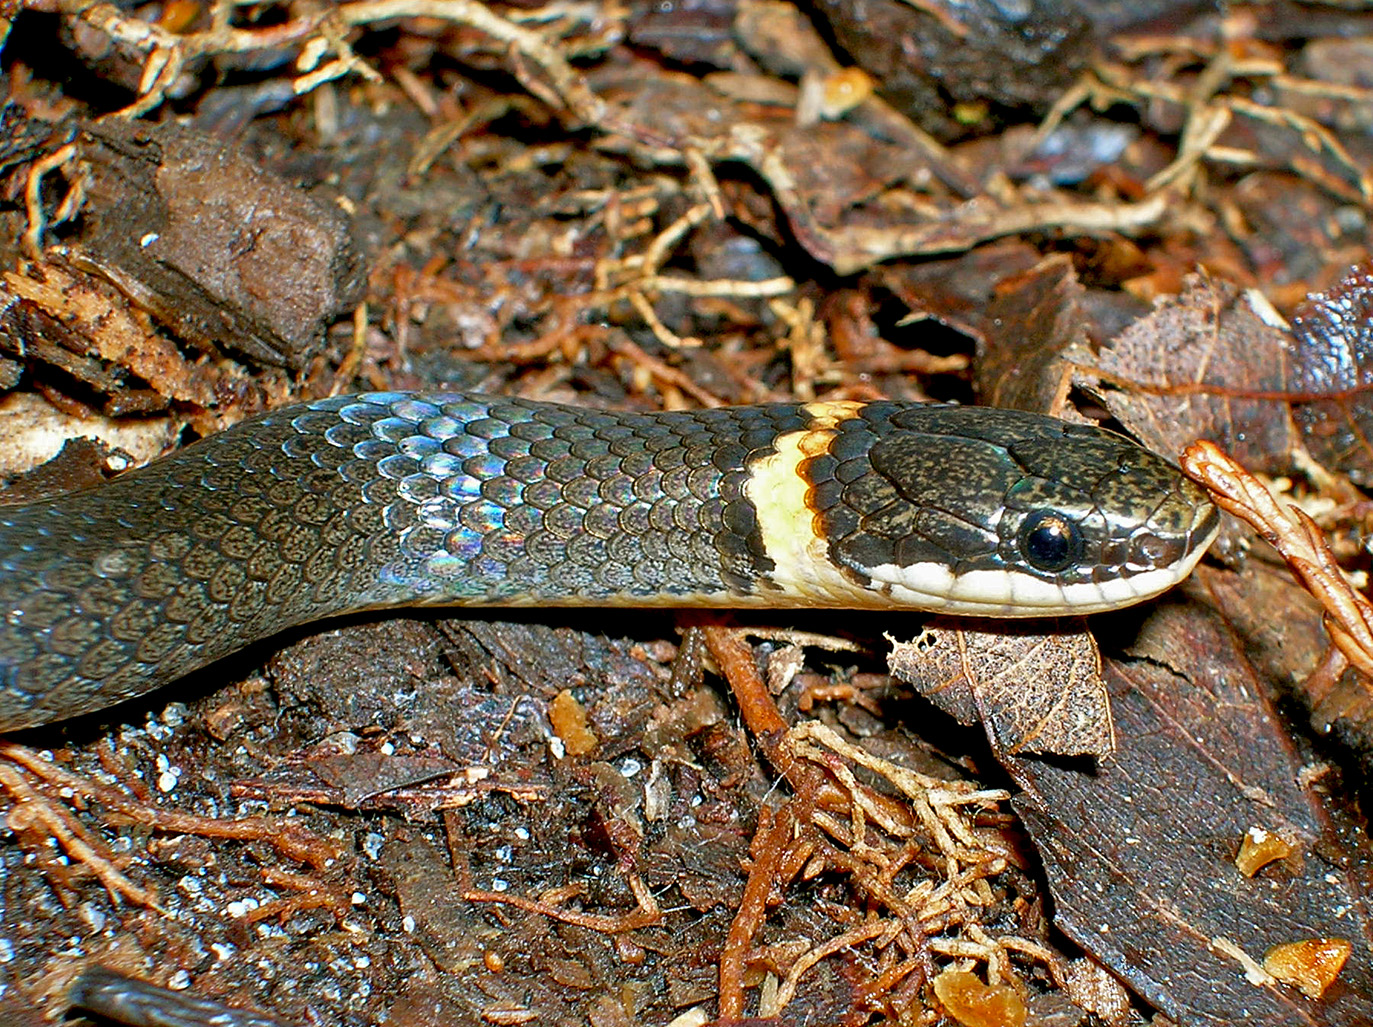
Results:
<point x="228" y="255"/>
<point x="924" y="55"/>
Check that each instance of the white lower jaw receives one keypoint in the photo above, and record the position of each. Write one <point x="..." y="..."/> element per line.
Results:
<point x="1006" y="593"/>
<point x="805" y="576"/>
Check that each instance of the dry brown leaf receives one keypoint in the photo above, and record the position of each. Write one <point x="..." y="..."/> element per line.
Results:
<point x="1034" y="691"/>
<point x="1221" y="363"/>
<point x="1034" y="319"/>
<point x="1209" y="362"/>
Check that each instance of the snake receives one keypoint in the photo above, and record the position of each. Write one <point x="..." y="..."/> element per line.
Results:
<point x="382" y="500"/>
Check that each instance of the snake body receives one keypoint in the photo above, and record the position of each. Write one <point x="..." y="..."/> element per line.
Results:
<point x="399" y="499"/>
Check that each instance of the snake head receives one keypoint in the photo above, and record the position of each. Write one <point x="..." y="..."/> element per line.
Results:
<point x="1001" y="513"/>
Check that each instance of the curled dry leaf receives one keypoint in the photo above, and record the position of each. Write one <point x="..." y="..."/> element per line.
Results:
<point x="1348" y="615"/>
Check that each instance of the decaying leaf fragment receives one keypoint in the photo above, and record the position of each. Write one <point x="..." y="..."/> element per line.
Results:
<point x="1333" y="370"/>
<point x="1310" y="965"/>
<point x="1034" y="691"/>
<point x="1222" y="363"/>
<point x="1258" y="848"/>
<point x="1034" y="320"/>
<point x="1211" y="362"/>
<point x="975" y="1004"/>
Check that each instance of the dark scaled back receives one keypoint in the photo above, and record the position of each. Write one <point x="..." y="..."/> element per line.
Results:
<point x="394" y="499"/>
<point x="362" y="502"/>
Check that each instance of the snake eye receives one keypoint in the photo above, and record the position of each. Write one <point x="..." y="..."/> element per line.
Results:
<point x="1049" y="541"/>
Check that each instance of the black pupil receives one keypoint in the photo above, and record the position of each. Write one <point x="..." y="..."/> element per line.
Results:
<point x="1048" y="541"/>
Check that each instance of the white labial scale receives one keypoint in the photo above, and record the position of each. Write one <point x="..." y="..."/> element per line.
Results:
<point x="930" y="586"/>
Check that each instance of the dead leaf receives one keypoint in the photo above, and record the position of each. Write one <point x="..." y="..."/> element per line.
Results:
<point x="1033" y="321"/>
<point x="1034" y="691"/>
<point x="1210" y="363"/>
<point x="1222" y="364"/>
<point x="1334" y="332"/>
<point x="1140" y="853"/>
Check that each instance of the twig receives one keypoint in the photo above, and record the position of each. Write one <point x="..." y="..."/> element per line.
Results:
<point x="290" y="839"/>
<point x="33" y="810"/>
<point x="1348" y="614"/>
<point x="646" y="915"/>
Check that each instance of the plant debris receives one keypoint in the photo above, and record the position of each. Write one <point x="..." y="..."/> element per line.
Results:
<point x="212" y="208"/>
